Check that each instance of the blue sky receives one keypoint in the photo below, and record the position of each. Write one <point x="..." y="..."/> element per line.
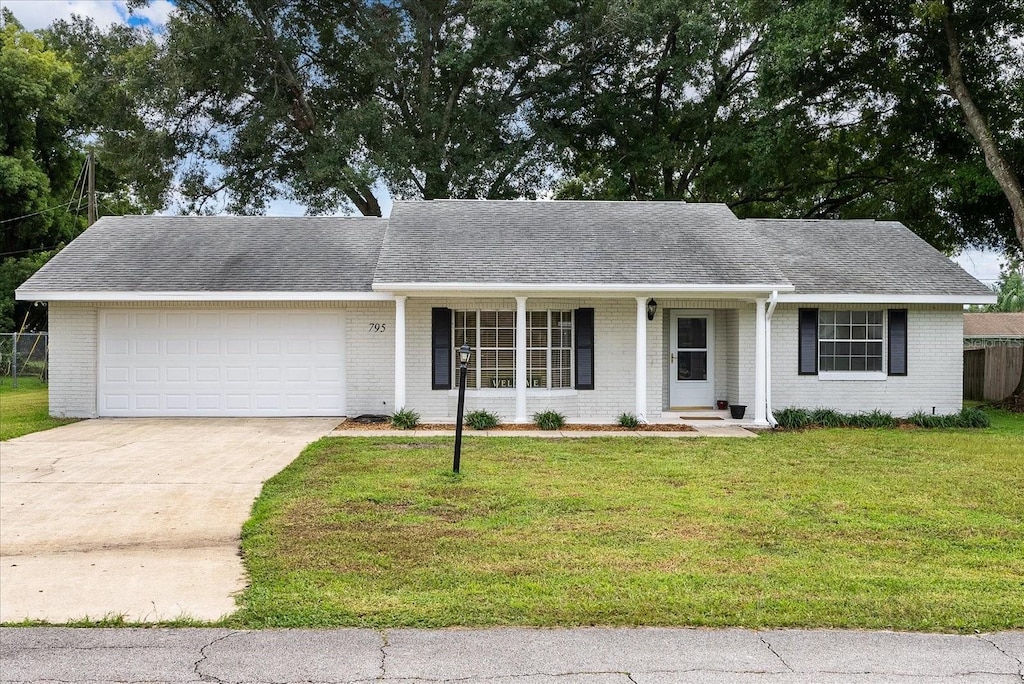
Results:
<point x="36" y="14"/>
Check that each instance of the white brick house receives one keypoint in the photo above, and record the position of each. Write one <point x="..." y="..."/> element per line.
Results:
<point x="592" y="309"/>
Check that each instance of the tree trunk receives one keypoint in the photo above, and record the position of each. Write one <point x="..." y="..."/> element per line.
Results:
<point x="978" y="126"/>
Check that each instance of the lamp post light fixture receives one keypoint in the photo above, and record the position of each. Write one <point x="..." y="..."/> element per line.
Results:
<point x="464" y="353"/>
<point x="652" y="308"/>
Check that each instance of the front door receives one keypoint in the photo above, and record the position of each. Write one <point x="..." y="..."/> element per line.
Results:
<point x="692" y="359"/>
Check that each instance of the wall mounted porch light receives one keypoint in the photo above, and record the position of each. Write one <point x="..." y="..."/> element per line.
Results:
<point x="652" y="308"/>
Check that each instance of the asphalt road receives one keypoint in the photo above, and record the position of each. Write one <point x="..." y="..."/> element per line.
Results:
<point x="508" y="656"/>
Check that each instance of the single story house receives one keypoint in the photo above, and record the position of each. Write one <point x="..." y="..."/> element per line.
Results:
<point x="591" y="309"/>
<point x="993" y="354"/>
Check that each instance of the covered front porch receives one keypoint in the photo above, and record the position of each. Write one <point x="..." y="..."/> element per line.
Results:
<point x="665" y="357"/>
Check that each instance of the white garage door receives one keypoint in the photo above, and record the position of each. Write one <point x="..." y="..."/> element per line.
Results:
<point x="230" y="362"/>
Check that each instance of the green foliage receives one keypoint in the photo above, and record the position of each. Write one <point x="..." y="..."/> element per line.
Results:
<point x="792" y="418"/>
<point x="549" y="420"/>
<point x="628" y="420"/>
<point x="1009" y="289"/>
<point x="825" y="417"/>
<point x="871" y="419"/>
<point x="405" y="419"/>
<point x="481" y="420"/>
<point x="967" y="418"/>
<point x="797" y="418"/>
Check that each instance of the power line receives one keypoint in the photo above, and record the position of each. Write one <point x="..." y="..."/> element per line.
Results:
<point x="29" y="251"/>
<point x="36" y="213"/>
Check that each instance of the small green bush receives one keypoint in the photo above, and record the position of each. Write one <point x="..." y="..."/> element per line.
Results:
<point x="481" y="420"/>
<point x="967" y="418"/>
<point x="793" y="418"/>
<point x="405" y="419"/>
<point x="874" y="419"/>
<point x="549" y="420"/>
<point x="974" y="418"/>
<point x="826" y="417"/>
<point x="628" y="420"/>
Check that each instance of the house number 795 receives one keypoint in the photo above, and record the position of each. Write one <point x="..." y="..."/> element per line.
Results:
<point x="378" y="327"/>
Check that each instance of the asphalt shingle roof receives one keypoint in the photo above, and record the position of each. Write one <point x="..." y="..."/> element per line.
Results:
<point x="537" y="243"/>
<point x="860" y="257"/>
<point x="222" y="253"/>
<point x="501" y="242"/>
<point x="994" y="325"/>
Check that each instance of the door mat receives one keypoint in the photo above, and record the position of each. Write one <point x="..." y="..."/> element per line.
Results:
<point x="701" y="418"/>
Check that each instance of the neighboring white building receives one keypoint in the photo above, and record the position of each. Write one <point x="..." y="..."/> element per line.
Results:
<point x="588" y="308"/>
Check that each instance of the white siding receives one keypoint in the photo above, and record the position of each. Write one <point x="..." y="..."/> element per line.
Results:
<point x="72" y="362"/>
<point x="935" y="367"/>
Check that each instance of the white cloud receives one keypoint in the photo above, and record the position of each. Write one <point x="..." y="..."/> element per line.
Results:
<point x="982" y="264"/>
<point x="38" y="15"/>
<point x="156" y="13"/>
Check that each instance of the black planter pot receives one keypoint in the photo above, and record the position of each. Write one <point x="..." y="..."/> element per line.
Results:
<point x="737" y="411"/>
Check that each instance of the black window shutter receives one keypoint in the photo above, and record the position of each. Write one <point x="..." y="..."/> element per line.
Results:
<point x="441" y="339"/>
<point x="584" y="349"/>
<point x="808" y="342"/>
<point x="897" y="341"/>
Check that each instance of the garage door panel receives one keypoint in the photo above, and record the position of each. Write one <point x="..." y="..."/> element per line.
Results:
<point x="221" y="363"/>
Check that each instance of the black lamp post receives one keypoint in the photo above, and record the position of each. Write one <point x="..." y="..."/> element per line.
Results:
<point x="464" y="354"/>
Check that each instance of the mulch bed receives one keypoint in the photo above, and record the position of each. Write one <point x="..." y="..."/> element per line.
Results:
<point x="518" y="427"/>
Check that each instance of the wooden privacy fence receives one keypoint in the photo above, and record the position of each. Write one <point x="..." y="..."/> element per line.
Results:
<point x="992" y="373"/>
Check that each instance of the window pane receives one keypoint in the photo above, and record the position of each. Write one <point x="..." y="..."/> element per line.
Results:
<point x="858" y="363"/>
<point x="842" y="363"/>
<point x="539" y="338"/>
<point x="858" y="317"/>
<point x="693" y="365"/>
<point x="507" y="319"/>
<point x="692" y="333"/>
<point x="874" y="363"/>
<point x="843" y="317"/>
<point x="827" y="317"/>
<point x="875" y="317"/>
<point x="826" y="332"/>
<point x="860" y="332"/>
<point x="489" y="319"/>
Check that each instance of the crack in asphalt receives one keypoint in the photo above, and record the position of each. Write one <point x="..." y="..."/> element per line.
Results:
<point x="775" y="653"/>
<point x="203" y="656"/>
<point x="1020" y="664"/>
<point x="383" y="653"/>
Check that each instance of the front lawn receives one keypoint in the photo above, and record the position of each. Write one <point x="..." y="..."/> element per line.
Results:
<point x="902" y="529"/>
<point x="25" y="408"/>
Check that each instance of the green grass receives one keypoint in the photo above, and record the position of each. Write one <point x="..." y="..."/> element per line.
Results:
<point x="900" y="529"/>
<point x="24" y="409"/>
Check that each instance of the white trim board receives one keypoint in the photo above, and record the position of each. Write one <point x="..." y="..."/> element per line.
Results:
<point x="202" y="296"/>
<point x="797" y="298"/>
<point x="618" y="289"/>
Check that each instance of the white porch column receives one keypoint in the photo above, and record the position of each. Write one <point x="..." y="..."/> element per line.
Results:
<point x="641" y="358"/>
<point x="761" y="364"/>
<point x="520" y="359"/>
<point x="399" y="353"/>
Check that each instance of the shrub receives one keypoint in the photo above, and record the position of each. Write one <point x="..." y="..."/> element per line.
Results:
<point x="874" y="419"/>
<point x="826" y="417"/>
<point x="792" y="418"/>
<point x="481" y="420"/>
<point x="405" y="419"/>
<point x="628" y="420"/>
<point x="549" y="420"/>
<point x="967" y="418"/>
<point x="974" y="418"/>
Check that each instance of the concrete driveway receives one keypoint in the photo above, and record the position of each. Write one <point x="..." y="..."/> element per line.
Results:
<point x="135" y="517"/>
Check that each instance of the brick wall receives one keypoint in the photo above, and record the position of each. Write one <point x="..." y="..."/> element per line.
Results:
<point x="935" y="367"/>
<point x="72" y="364"/>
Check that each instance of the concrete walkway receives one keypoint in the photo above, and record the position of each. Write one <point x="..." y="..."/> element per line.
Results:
<point x="509" y="656"/>
<point x="135" y="517"/>
<point x="704" y="429"/>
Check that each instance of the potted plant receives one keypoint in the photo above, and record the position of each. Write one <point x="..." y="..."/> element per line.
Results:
<point x="737" y="411"/>
<point x="722" y="404"/>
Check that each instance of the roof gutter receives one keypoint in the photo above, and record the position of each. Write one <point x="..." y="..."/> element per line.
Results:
<point x="199" y="296"/>
<point x="617" y="289"/>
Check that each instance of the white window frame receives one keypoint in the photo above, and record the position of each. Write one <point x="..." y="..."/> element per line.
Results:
<point x="474" y="373"/>
<point x="846" y="375"/>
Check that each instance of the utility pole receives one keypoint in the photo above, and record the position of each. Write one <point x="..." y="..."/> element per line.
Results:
<point x="92" y="211"/>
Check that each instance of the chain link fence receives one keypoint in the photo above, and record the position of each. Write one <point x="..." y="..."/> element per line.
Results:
<point x="23" y="355"/>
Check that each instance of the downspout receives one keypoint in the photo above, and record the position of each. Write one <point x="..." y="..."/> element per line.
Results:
<point x="772" y="303"/>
